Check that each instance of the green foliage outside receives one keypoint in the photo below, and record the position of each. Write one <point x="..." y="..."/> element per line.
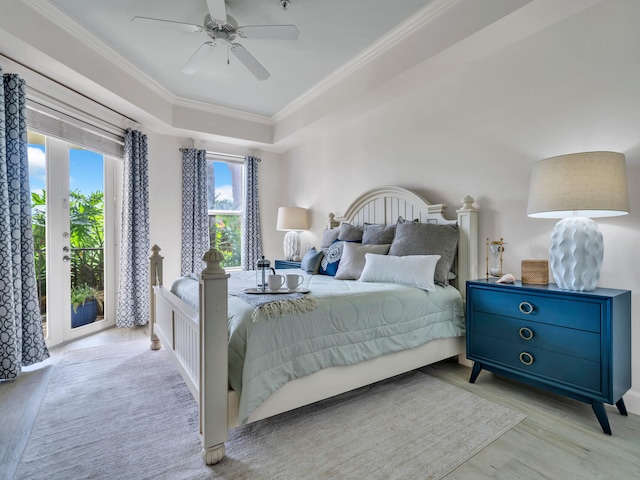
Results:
<point x="86" y="239"/>
<point x="225" y="234"/>
<point x="80" y="294"/>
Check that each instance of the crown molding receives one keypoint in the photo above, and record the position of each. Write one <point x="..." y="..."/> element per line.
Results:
<point x="380" y="46"/>
<point x="77" y="30"/>
<point x="220" y="110"/>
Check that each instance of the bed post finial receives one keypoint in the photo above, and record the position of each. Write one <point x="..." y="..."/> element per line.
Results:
<point x="331" y="221"/>
<point x="212" y="258"/>
<point x="467" y="203"/>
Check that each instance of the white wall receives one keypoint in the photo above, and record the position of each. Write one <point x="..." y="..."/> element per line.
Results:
<point x="477" y="132"/>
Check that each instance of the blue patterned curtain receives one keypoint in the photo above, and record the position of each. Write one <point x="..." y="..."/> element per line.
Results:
<point x="251" y="231"/>
<point x="133" y="289"/>
<point x="195" y="211"/>
<point x="21" y="336"/>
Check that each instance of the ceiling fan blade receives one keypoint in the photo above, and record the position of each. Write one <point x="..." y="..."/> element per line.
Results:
<point x="217" y="10"/>
<point x="249" y="61"/>
<point x="270" y="32"/>
<point x="190" y="27"/>
<point x="197" y="58"/>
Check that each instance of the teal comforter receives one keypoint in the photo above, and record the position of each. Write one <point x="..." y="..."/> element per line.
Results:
<point x="354" y="321"/>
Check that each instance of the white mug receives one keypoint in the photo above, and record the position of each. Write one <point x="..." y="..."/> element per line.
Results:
<point x="294" y="281"/>
<point x="275" y="282"/>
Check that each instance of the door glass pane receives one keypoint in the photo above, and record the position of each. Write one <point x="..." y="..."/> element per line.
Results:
<point x="37" y="181"/>
<point x="86" y="212"/>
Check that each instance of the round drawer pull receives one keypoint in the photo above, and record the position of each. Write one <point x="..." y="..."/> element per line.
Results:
<point x="526" y="308"/>
<point x="526" y="333"/>
<point x="526" y="358"/>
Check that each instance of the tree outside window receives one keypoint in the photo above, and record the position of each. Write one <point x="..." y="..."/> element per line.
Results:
<point x="224" y="190"/>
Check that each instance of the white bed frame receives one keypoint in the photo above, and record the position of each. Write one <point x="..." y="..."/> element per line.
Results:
<point x="184" y="332"/>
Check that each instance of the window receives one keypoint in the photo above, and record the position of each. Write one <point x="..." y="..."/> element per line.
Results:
<point x="225" y="193"/>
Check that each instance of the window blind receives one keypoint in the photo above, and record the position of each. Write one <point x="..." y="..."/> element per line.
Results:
<point x="53" y="123"/>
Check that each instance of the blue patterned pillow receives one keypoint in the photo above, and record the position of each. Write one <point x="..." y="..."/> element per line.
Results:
<point x="331" y="259"/>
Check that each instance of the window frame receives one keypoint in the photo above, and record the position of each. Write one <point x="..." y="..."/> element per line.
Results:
<point x="233" y="160"/>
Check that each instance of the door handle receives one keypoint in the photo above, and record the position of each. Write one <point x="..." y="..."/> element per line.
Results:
<point x="66" y="258"/>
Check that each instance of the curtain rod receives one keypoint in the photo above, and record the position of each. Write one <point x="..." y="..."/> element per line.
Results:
<point x="227" y="155"/>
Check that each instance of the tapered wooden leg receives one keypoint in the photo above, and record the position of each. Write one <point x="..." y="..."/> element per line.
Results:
<point x="621" y="407"/>
<point x="477" y="366"/>
<point x="601" y="413"/>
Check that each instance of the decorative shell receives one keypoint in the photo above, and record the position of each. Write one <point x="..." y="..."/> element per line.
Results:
<point x="506" y="278"/>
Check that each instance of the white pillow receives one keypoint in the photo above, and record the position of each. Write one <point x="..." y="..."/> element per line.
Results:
<point x="414" y="270"/>
<point x="352" y="260"/>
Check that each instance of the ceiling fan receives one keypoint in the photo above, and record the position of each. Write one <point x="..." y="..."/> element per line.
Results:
<point x="222" y="28"/>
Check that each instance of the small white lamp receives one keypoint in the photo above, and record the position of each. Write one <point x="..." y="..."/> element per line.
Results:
<point x="292" y="220"/>
<point x="576" y="188"/>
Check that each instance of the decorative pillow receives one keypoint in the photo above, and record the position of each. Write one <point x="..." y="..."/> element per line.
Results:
<point x="311" y="261"/>
<point x="378" y="234"/>
<point x="331" y="260"/>
<point x="414" y="270"/>
<point x="350" y="233"/>
<point x="352" y="261"/>
<point x="328" y="237"/>
<point x="414" y="238"/>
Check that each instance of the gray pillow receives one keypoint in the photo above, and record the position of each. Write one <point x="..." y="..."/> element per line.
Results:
<point x="376" y="234"/>
<point x="328" y="237"/>
<point x="350" y="233"/>
<point x="353" y="259"/>
<point x="311" y="261"/>
<point x="413" y="238"/>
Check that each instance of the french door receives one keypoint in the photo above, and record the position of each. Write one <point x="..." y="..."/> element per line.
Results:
<point x="73" y="211"/>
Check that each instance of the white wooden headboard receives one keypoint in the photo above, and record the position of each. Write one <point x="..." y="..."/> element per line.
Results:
<point x="383" y="205"/>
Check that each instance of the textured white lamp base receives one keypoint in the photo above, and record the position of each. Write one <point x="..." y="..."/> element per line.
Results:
<point x="576" y="253"/>
<point x="292" y="246"/>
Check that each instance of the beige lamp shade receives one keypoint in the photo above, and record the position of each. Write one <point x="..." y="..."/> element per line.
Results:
<point x="591" y="184"/>
<point x="292" y="218"/>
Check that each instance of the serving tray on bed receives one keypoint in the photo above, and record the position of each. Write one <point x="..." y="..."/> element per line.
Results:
<point x="255" y="291"/>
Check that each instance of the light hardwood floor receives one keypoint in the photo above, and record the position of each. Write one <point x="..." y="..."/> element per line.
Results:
<point x="559" y="439"/>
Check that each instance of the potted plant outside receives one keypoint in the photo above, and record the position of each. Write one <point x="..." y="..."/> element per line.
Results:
<point x="86" y="301"/>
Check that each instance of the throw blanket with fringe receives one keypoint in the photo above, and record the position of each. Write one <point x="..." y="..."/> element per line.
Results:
<point x="271" y="306"/>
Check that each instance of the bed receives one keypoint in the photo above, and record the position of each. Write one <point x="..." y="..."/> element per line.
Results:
<point x="203" y="340"/>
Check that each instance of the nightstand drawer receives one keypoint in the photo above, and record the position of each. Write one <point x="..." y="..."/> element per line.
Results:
<point x="546" y="364"/>
<point x="567" y="341"/>
<point x="282" y="264"/>
<point x="583" y="315"/>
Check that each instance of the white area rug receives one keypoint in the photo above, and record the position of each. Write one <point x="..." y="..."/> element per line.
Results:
<point x="104" y="418"/>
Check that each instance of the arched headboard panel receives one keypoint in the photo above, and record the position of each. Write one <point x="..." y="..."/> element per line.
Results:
<point x="383" y="205"/>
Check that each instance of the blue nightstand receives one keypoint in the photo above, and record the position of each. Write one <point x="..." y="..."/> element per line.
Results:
<point x="281" y="264"/>
<point x="576" y="344"/>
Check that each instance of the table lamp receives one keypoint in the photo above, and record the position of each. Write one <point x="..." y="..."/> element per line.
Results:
<point x="576" y="188"/>
<point x="292" y="220"/>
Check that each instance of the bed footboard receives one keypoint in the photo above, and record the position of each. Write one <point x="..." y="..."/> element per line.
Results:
<point x="184" y="332"/>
